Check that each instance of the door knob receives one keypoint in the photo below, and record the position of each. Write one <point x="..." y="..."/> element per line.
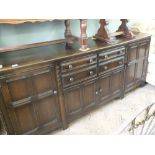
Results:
<point x="91" y="60"/>
<point x="106" y="56"/>
<point x="105" y="67"/>
<point x="96" y="92"/>
<point x="91" y="73"/>
<point x="120" y="62"/>
<point x="71" y="79"/>
<point x="70" y="66"/>
<point x="100" y="90"/>
<point x="55" y="92"/>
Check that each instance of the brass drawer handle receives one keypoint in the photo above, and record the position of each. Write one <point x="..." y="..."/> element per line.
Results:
<point x="96" y="92"/>
<point x="100" y="90"/>
<point x="121" y="52"/>
<point x="91" y="73"/>
<point x="106" y="56"/>
<point x="91" y="60"/>
<point x="55" y="92"/>
<point x="71" y="79"/>
<point x="120" y="62"/>
<point x="105" y="67"/>
<point x="70" y="66"/>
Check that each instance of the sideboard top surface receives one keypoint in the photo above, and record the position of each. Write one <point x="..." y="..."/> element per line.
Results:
<point x="35" y="55"/>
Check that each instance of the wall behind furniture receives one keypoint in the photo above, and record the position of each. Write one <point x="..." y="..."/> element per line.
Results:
<point x="11" y="35"/>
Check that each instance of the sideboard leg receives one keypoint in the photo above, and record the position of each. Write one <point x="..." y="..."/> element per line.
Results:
<point x="83" y="37"/>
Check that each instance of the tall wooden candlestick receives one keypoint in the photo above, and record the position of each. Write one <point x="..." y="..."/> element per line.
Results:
<point x="83" y="37"/>
<point x="103" y="33"/>
<point x="124" y="28"/>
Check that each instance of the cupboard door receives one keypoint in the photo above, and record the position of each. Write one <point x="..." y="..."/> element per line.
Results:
<point x="117" y="82"/>
<point x="46" y="103"/>
<point x="89" y="95"/>
<point x="104" y="88"/>
<point x="32" y="102"/>
<point x="17" y="97"/>
<point x="139" y="70"/>
<point x="132" y="53"/>
<point x="130" y="75"/>
<point x="73" y="102"/>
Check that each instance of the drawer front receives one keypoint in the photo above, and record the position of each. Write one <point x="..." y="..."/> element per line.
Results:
<point x="78" y="63"/>
<point x="111" y="65"/>
<point x="107" y="55"/>
<point x="75" y="77"/>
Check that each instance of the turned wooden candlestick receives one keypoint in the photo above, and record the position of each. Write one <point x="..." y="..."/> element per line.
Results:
<point x="124" y="28"/>
<point x="103" y="33"/>
<point x="83" y="37"/>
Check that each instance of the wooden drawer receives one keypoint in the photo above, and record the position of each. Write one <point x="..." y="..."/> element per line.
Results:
<point x="109" y="54"/>
<point x="79" y="62"/>
<point x="111" y="65"/>
<point x="79" y="76"/>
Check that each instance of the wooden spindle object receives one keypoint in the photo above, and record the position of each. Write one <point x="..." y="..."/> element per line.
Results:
<point x="83" y="37"/>
<point x="103" y="33"/>
<point x="124" y="29"/>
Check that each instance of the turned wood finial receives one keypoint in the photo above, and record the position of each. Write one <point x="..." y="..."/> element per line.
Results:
<point x="83" y="37"/>
<point x="124" y="28"/>
<point x="103" y="32"/>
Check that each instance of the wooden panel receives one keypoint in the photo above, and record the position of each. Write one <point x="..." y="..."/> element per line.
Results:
<point x="130" y="74"/>
<point x="18" y="88"/>
<point x="44" y="80"/>
<point x="139" y="71"/>
<point x="132" y="52"/>
<point x="48" y="111"/>
<point x="89" y="94"/>
<point x="73" y="102"/>
<point x="117" y="82"/>
<point x="104" y="88"/>
<point x="24" y="119"/>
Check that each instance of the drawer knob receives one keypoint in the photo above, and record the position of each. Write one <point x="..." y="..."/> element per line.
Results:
<point x="100" y="90"/>
<point x="105" y="67"/>
<point x="91" y="72"/>
<point x="121" y="52"/>
<point x="120" y="62"/>
<point x="91" y="60"/>
<point x="70" y="66"/>
<point x="106" y="56"/>
<point x="96" y="92"/>
<point x="71" y="79"/>
<point x="55" y="92"/>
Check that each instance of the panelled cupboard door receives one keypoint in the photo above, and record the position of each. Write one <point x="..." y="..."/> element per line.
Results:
<point x="130" y="75"/>
<point x="132" y="53"/>
<point x="31" y="101"/>
<point x="89" y="94"/>
<point x="17" y="97"/>
<point x="46" y="103"/>
<point x="104" y="84"/>
<point x="73" y="102"/>
<point x="117" y="82"/>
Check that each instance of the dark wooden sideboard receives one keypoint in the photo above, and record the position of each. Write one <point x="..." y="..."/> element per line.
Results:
<point x="47" y="87"/>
